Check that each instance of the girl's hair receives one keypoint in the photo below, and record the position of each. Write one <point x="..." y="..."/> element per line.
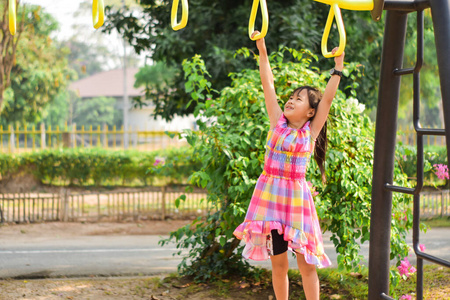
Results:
<point x="320" y="150"/>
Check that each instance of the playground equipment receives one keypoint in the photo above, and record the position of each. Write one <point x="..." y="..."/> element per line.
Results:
<point x="184" y="14"/>
<point x="386" y="127"/>
<point x="265" y="20"/>
<point x="12" y="16"/>
<point x="335" y="13"/>
<point x="98" y="14"/>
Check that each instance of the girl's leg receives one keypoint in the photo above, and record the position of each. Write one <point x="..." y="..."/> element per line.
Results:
<point x="280" y="281"/>
<point x="310" y="279"/>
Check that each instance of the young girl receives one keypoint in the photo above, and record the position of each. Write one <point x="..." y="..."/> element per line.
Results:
<point x="281" y="214"/>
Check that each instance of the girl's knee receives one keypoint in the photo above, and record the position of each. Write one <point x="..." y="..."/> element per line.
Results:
<point x="280" y="264"/>
<point x="307" y="269"/>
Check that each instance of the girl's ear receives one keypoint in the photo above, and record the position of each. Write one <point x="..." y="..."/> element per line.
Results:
<point x="311" y="112"/>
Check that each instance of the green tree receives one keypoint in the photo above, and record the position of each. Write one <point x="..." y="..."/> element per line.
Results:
<point x="217" y="29"/>
<point x="94" y="111"/>
<point x="231" y="145"/>
<point x="8" y="47"/>
<point x="40" y="71"/>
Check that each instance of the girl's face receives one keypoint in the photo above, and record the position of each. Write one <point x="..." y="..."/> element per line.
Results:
<point x="297" y="107"/>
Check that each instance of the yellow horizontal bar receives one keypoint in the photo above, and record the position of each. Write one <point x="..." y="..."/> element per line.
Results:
<point x="350" y="4"/>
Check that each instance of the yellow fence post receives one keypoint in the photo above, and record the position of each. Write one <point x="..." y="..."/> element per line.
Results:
<point x="43" y="135"/>
<point x="11" y="138"/>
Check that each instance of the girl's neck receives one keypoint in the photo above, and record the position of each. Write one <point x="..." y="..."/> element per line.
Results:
<point x="296" y="125"/>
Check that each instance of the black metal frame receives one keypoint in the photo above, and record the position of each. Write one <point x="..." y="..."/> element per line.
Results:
<point x="385" y="135"/>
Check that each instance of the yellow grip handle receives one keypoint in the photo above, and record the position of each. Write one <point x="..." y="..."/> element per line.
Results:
<point x="12" y="17"/>
<point x="335" y="12"/>
<point x="98" y="13"/>
<point x="184" y="14"/>
<point x="265" y="20"/>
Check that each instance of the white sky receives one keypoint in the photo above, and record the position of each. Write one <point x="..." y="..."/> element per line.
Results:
<point x="64" y="11"/>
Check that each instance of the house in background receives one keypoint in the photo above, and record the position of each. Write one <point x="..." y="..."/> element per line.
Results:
<point x="111" y="84"/>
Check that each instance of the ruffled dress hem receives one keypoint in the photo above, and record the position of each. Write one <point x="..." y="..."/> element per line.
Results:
<point x="254" y="234"/>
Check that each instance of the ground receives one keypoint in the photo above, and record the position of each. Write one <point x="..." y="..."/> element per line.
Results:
<point x="334" y="284"/>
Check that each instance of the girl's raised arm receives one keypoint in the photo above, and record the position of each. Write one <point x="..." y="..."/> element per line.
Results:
<point x="330" y="91"/>
<point x="273" y="109"/>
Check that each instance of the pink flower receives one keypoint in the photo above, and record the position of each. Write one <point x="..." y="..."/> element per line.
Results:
<point x="405" y="268"/>
<point x="422" y="247"/>
<point x="313" y="189"/>
<point x="441" y="171"/>
<point x="406" y="297"/>
<point x="157" y="162"/>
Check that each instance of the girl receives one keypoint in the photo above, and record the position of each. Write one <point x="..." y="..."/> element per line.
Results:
<point x="281" y="214"/>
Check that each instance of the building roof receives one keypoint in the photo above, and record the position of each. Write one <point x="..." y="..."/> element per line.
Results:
<point x="107" y="84"/>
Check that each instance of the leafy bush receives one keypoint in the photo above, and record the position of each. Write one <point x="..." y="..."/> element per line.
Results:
<point x="231" y="146"/>
<point x="407" y="159"/>
<point x="103" y="167"/>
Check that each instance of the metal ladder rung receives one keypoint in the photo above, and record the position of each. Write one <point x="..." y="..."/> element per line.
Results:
<point x="433" y="259"/>
<point x="399" y="189"/>
<point x="430" y="131"/>
<point x="400" y="72"/>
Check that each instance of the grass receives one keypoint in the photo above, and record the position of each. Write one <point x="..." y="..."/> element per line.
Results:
<point x="334" y="285"/>
<point x="437" y="222"/>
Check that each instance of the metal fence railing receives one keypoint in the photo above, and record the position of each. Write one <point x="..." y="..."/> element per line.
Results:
<point x="139" y="204"/>
<point x="132" y="204"/>
<point x="17" y="139"/>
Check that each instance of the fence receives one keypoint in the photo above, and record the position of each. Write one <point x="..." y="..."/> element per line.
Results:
<point x="30" y="139"/>
<point x="146" y="204"/>
<point x="142" y="204"/>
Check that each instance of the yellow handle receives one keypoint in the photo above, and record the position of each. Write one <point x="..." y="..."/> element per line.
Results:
<point x="335" y="12"/>
<point x="12" y="17"/>
<point x="184" y="14"/>
<point x="265" y="20"/>
<point x="98" y="13"/>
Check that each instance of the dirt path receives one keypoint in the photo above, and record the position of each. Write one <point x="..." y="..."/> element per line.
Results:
<point x="87" y="229"/>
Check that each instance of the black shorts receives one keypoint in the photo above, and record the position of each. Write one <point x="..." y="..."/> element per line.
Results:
<point x="276" y="243"/>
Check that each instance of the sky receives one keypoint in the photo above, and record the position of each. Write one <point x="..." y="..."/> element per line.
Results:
<point x="64" y="11"/>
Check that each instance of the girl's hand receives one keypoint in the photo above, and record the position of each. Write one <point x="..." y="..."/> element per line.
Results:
<point x="338" y="60"/>
<point x="260" y="44"/>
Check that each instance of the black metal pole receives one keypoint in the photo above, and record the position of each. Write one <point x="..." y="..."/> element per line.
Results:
<point x="383" y="166"/>
<point x="440" y="11"/>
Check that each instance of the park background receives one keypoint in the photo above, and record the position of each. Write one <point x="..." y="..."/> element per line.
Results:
<point x="47" y="122"/>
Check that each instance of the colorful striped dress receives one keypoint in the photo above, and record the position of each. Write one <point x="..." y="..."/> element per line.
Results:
<point x="282" y="199"/>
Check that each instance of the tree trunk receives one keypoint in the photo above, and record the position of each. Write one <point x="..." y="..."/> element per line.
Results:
<point x="8" y="46"/>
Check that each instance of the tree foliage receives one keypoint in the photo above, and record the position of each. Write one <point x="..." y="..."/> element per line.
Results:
<point x="231" y="144"/>
<point x="216" y="29"/>
<point x="39" y="72"/>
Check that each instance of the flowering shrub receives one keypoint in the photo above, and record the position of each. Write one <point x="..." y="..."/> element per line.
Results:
<point x="406" y="297"/>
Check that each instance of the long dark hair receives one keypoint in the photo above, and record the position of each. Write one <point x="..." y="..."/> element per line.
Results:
<point x="320" y="149"/>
